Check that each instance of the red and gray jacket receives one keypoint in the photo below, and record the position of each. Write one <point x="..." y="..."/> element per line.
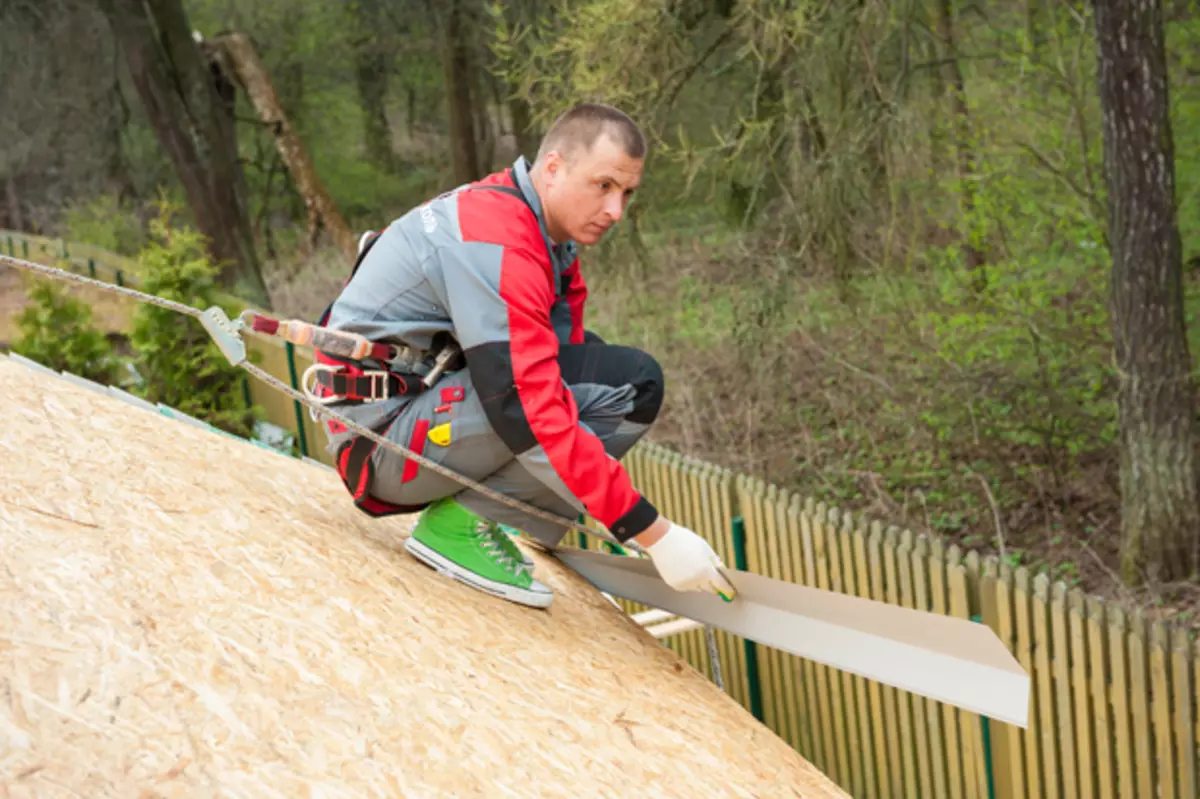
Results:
<point x="480" y="266"/>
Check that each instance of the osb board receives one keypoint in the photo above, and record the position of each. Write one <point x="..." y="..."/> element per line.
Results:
<point x="182" y="614"/>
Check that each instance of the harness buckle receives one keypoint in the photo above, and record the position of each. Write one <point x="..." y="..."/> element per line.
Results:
<point x="379" y="386"/>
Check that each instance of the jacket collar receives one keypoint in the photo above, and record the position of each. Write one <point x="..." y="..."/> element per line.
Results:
<point x="520" y="171"/>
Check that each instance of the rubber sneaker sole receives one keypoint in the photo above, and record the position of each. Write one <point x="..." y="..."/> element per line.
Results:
<point x="539" y="596"/>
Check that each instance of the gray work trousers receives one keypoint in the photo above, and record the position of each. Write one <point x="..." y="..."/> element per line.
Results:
<point x="618" y="391"/>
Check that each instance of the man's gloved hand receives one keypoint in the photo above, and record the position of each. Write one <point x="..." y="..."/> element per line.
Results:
<point x="687" y="563"/>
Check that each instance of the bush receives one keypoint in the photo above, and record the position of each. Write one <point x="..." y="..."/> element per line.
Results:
<point x="104" y="222"/>
<point x="180" y="364"/>
<point x="56" y="330"/>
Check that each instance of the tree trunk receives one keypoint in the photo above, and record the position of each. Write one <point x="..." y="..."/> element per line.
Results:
<point x="522" y="122"/>
<point x="1160" y="509"/>
<point x="183" y="107"/>
<point x="16" y="221"/>
<point x="457" y="64"/>
<point x="371" y="76"/>
<point x="244" y="62"/>
<point x="962" y="134"/>
<point x="519" y="14"/>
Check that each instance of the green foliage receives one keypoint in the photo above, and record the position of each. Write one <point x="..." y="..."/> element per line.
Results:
<point x="1027" y="363"/>
<point x="180" y="364"/>
<point x="56" y="331"/>
<point x="104" y="222"/>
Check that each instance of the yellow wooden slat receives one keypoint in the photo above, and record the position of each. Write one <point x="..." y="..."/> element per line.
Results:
<point x="1009" y="758"/>
<point x="1196" y="686"/>
<point x="1122" y="731"/>
<point x="868" y="697"/>
<point x="786" y="569"/>
<point x="798" y="674"/>
<point x="1139" y="706"/>
<point x="860" y="731"/>
<point x="981" y="759"/>
<point x="748" y="504"/>
<point x="781" y="660"/>
<point x="931" y="718"/>
<point x="785" y="662"/>
<point x="718" y="525"/>
<point x="768" y="661"/>
<point x="896" y="553"/>
<point x="1181" y="669"/>
<point x="915" y="706"/>
<point x="697" y="645"/>
<point x="1042" y="676"/>
<point x="692" y="478"/>
<point x="818" y="694"/>
<point x="1059" y="631"/>
<point x="1164" y="740"/>
<point x="974" y="778"/>
<point x="832" y="580"/>
<point x="841" y="575"/>
<point x="1085" y="746"/>
<point x="989" y="612"/>
<point x="951" y="744"/>
<point x="797" y="668"/>
<point x="1101" y="708"/>
<point x="883" y="719"/>
<point x="1024" y="644"/>
<point x="827" y="678"/>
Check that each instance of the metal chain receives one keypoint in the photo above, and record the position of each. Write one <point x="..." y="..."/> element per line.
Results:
<point x="569" y="524"/>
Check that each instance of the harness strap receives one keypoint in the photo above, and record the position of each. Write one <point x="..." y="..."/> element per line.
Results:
<point x="369" y="386"/>
<point x="354" y="463"/>
<point x="357" y="471"/>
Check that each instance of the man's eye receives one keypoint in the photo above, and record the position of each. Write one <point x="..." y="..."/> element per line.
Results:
<point x="605" y="185"/>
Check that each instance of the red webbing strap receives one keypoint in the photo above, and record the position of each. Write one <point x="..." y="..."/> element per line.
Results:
<point x="265" y="324"/>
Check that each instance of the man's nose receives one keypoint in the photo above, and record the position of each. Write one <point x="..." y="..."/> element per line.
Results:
<point x="614" y="206"/>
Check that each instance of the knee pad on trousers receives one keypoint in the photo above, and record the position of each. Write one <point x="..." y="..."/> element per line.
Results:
<point x="650" y="383"/>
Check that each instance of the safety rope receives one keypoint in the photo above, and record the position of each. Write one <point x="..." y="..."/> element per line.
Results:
<point x="222" y="330"/>
<point x="226" y="334"/>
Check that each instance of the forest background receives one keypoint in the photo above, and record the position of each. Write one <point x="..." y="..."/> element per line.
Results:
<point x="873" y="247"/>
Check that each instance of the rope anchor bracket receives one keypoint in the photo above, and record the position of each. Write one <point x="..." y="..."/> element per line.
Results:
<point x="226" y="334"/>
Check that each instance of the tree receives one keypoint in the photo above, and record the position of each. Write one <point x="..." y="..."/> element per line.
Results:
<point x="1160" y="506"/>
<point x="191" y="123"/>
<point x="455" y="25"/>
<point x="236" y="50"/>
<point x="371" y="72"/>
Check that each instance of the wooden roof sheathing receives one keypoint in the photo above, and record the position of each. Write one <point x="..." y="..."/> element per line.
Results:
<point x="183" y="614"/>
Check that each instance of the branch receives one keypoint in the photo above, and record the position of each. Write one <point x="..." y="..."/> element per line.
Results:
<point x="685" y="74"/>
<point x="1062" y="175"/>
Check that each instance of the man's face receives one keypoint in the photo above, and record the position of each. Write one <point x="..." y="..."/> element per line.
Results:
<point x="589" y="192"/>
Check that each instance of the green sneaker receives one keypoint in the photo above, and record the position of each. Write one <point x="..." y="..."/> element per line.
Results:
<point x="472" y="550"/>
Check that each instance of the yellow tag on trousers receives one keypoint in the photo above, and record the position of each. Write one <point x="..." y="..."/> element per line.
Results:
<point x="440" y="435"/>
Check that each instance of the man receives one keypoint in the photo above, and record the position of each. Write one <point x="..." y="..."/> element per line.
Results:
<point x="536" y="408"/>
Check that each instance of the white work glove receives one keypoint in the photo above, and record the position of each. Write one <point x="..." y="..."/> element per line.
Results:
<point x="687" y="563"/>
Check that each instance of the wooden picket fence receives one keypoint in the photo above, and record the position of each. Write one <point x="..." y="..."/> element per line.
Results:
<point x="1114" y="706"/>
<point x="1114" y="701"/>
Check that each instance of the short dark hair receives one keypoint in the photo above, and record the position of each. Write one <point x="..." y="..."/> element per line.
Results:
<point x="583" y="123"/>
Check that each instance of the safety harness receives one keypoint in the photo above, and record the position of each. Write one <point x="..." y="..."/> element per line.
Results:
<point x="339" y="379"/>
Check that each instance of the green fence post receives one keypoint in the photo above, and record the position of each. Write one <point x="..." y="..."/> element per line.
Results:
<point x="120" y="278"/>
<point x="92" y="267"/>
<point x="291" y="359"/>
<point x="739" y="554"/>
<point x="12" y="253"/>
<point x="987" y="740"/>
<point x="25" y="249"/>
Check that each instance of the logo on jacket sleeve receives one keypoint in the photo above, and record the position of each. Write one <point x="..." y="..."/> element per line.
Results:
<point x="428" y="220"/>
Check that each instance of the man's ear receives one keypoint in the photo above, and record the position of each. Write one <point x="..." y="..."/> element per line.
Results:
<point x="553" y="163"/>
